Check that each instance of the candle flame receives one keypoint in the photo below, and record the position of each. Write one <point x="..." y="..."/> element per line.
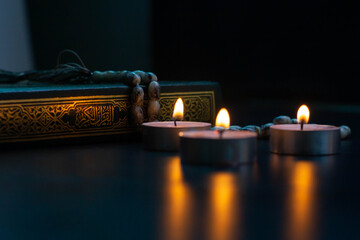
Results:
<point x="178" y="110"/>
<point x="223" y="119"/>
<point x="303" y="114"/>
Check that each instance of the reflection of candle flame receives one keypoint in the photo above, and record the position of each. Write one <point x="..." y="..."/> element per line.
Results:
<point x="301" y="222"/>
<point x="178" y="110"/>
<point x="177" y="222"/>
<point x="303" y="114"/>
<point x="224" y="205"/>
<point x="223" y="119"/>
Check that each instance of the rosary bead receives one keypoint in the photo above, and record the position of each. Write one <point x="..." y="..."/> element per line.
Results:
<point x="146" y="77"/>
<point x="152" y="76"/>
<point x="154" y="90"/>
<point x="282" y="120"/>
<point x="97" y="76"/>
<point x="128" y="78"/>
<point x="265" y="130"/>
<point x="252" y="128"/>
<point x="153" y="110"/>
<point x="142" y="74"/>
<point x="137" y="96"/>
<point x="137" y="115"/>
<point x="345" y="131"/>
<point x="235" y="127"/>
<point x="294" y="121"/>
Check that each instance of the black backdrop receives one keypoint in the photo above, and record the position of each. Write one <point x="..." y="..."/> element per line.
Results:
<point x="302" y="50"/>
<point x="107" y="34"/>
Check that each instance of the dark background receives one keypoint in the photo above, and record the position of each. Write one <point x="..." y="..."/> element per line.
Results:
<point x="304" y="51"/>
<point x="266" y="57"/>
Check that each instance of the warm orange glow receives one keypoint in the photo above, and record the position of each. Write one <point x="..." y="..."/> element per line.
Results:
<point x="303" y="114"/>
<point x="223" y="119"/>
<point x="174" y="172"/>
<point x="224" y="221"/>
<point x="178" y="110"/>
<point x="301" y="221"/>
<point x="178" y="203"/>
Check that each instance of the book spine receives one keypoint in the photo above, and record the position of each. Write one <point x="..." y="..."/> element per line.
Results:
<point x="71" y="117"/>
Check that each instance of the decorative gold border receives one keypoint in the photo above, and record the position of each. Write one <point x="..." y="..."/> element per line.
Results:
<point x="51" y="118"/>
<point x="201" y="94"/>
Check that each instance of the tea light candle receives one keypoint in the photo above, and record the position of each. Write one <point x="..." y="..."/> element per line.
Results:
<point x="303" y="138"/>
<point x="164" y="136"/>
<point x="218" y="147"/>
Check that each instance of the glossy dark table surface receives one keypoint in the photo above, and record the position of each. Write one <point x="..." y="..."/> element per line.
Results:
<point x="119" y="191"/>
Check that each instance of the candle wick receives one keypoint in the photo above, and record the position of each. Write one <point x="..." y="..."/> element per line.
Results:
<point x="175" y="122"/>
<point x="302" y="125"/>
<point x="221" y="132"/>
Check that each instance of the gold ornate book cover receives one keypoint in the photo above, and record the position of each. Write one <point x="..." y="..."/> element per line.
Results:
<point x="54" y="112"/>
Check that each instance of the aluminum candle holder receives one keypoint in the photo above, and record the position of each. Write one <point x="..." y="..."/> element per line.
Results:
<point x="312" y="140"/>
<point x="164" y="136"/>
<point x="208" y="148"/>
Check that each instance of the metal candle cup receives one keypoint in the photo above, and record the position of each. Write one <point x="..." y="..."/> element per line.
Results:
<point x="312" y="140"/>
<point x="164" y="136"/>
<point x="207" y="148"/>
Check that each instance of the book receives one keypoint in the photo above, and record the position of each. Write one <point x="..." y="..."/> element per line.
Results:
<point x="37" y="113"/>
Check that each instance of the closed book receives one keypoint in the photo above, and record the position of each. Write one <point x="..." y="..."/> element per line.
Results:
<point x="35" y="113"/>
